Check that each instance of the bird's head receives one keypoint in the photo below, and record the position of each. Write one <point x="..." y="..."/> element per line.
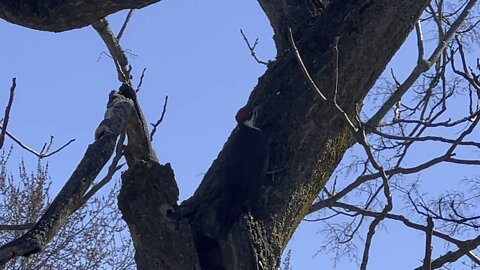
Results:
<point x="246" y="116"/>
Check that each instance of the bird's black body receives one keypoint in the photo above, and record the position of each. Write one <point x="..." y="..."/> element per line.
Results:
<point x="241" y="179"/>
<point x="245" y="170"/>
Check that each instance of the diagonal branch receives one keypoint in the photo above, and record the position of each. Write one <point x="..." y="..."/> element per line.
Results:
<point x="41" y="154"/>
<point x="421" y="67"/>
<point x="67" y="200"/>
<point x="309" y="79"/>
<point x="160" y="120"/>
<point x="125" y="23"/>
<point x="63" y="15"/>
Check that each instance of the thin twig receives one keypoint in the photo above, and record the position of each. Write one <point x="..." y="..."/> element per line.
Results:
<point x="364" y="178"/>
<point x="38" y="154"/>
<point x="141" y="80"/>
<point x="125" y="23"/>
<point x="424" y="139"/>
<point x="465" y="73"/>
<point x="47" y="149"/>
<point x="420" y="48"/>
<point x="252" y="48"/>
<point x="155" y="125"/>
<point x="112" y="169"/>
<point x="309" y="79"/>
<point x="335" y="86"/>
<point x="6" y="116"/>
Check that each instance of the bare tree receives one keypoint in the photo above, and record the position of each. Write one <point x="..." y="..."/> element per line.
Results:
<point x="308" y="103"/>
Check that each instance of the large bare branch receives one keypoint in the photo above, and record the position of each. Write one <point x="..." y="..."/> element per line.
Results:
<point x="139" y="144"/>
<point x="67" y="200"/>
<point x="422" y="66"/>
<point x="59" y="15"/>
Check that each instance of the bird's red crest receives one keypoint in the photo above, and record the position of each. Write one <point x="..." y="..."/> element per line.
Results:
<point x="243" y="114"/>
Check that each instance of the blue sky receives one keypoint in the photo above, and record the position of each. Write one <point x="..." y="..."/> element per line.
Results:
<point x="194" y="53"/>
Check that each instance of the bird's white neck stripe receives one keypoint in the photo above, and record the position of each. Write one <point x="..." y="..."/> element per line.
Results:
<point x="249" y="123"/>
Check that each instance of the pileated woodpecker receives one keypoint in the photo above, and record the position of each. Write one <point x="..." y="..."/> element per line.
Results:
<point x="246" y="168"/>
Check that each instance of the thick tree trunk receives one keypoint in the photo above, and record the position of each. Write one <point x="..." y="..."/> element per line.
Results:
<point x="307" y="137"/>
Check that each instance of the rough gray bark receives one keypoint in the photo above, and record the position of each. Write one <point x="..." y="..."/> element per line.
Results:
<point x="307" y="138"/>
